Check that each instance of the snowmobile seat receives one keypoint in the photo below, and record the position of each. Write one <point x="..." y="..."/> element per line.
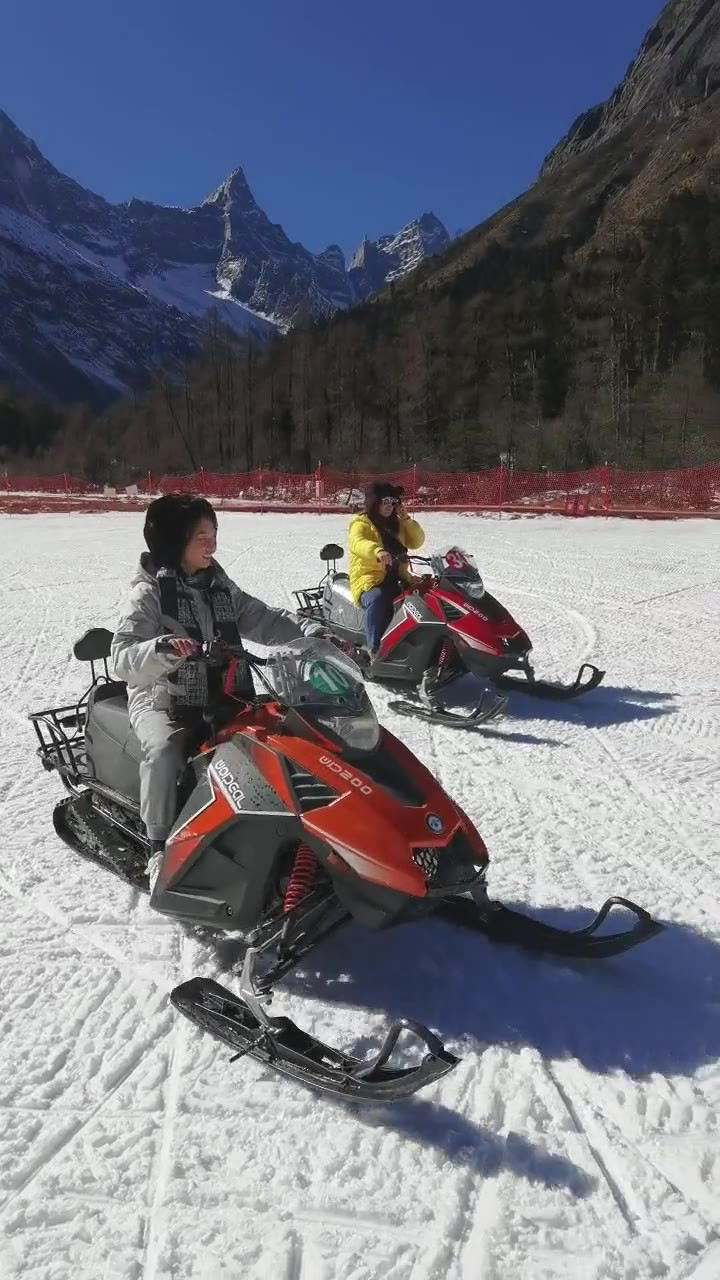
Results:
<point x="331" y="551"/>
<point x="94" y="645"/>
<point x="113" y="751"/>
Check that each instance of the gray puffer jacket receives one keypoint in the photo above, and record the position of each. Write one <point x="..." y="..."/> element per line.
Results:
<point x="134" y="652"/>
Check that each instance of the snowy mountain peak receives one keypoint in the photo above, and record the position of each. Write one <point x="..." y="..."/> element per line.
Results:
<point x="10" y="135"/>
<point x="334" y="257"/>
<point x="235" y="191"/>
<point x="19" y="156"/>
<point x="378" y="262"/>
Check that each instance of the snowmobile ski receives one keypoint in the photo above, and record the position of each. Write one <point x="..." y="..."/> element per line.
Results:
<point x="281" y="1044"/>
<point x="548" y="688"/>
<point x="501" y="924"/>
<point x="86" y="831"/>
<point x="488" y="708"/>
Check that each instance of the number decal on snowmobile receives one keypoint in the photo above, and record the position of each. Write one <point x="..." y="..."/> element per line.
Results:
<point x="227" y="781"/>
<point x="455" y="559"/>
<point x="346" y="775"/>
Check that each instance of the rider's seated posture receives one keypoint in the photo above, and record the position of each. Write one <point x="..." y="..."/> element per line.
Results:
<point x="179" y="591"/>
<point x="379" y="541"/>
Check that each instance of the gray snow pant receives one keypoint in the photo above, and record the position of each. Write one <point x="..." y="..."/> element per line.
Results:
<point x="164" y="745"/>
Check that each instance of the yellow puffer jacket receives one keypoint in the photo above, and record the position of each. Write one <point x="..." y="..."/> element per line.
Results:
<point x="366" y="571"/>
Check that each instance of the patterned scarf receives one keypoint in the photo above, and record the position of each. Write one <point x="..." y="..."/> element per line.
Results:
<point x="197" y="684"/>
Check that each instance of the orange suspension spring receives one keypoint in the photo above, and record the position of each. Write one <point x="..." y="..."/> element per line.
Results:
<point x="301" y="877"/>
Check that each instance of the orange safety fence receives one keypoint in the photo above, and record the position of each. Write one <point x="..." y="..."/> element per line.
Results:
<point x="602" y="490"/>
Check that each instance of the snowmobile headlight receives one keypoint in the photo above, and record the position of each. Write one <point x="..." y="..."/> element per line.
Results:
<point x="360" y="730"/>
<point x="474" y="588"/>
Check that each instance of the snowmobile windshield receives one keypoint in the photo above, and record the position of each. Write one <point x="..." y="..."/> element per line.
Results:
<point x="459" y="566"/>
<point x="317" y="680"/>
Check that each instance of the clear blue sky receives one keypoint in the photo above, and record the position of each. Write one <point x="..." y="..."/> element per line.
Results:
<point x="348" y="118"/>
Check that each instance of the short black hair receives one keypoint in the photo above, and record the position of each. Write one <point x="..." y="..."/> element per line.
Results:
<point x="169" y="523"/>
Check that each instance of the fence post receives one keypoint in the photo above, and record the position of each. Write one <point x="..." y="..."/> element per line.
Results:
<point x="606" y="487"/>
<point x="65" y="479"/>
<point x="414" y="484"/>
<point x="319" y="487"/>
<point x="501" y="487"/>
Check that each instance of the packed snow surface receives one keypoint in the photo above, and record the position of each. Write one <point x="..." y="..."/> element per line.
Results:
<point x="578" y="1137"/>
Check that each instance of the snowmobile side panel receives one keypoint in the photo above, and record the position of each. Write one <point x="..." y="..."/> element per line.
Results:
<point x="285" y="1047"/>
<point x="225" y="851"/>
<point x="340" y="610"/>
<point x="410" y="643"/>
<point x="501" y="924"/>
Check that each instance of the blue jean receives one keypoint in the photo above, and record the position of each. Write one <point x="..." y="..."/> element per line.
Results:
<point x="377" y="612"/>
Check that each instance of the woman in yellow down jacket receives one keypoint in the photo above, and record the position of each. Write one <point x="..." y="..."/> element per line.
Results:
<point x="380" y="539"/>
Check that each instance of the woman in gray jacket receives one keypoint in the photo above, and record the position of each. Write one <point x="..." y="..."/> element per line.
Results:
<point x="181" y="593"/>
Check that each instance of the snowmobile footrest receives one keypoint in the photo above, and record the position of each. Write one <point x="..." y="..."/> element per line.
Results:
<point x="501" y="924"/>
<point x="281" y="1044"/>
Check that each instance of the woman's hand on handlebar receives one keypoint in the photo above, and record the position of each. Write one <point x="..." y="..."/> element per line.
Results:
<point x="385" y="558"/>
<point x="180" y="646"/>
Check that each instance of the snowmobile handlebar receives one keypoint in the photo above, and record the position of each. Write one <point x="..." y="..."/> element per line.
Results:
<point x="215" y="653"/>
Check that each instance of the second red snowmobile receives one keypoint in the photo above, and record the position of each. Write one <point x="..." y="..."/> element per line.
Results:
<point x="448" y="627"/>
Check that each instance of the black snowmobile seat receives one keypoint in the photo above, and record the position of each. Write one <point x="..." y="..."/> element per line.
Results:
<point x="94" y="645"/>
<point x="113" y="750"/>
<point x="331" y="551"/>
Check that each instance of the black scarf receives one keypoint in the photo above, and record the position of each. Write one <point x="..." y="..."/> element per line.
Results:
<point x="389" y="531"/>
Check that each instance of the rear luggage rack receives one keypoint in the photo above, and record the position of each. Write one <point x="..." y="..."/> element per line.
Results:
<point x="310" y="602"/>
<point x="61" y="735"/>
<point x="61" y="730"/>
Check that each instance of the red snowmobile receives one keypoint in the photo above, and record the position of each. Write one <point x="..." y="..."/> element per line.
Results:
<point x="443" y="630"/>
<point x="297" y="813"/>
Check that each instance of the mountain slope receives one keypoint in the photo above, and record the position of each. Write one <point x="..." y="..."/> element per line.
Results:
<point x="657" y="135"/>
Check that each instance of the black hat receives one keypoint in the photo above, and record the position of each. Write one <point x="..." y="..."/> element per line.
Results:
<point x="378" y="490"/>
<point x="169" y="523"/>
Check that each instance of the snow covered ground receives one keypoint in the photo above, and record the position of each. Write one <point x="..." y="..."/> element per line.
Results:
<point x="577" y="1140"/>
